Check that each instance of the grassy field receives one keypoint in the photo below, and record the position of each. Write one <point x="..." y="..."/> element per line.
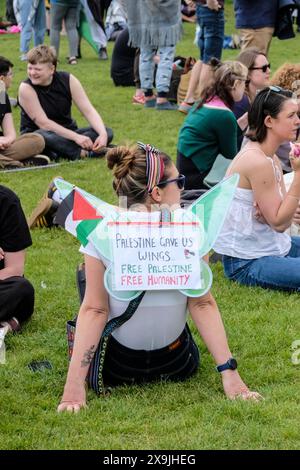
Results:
<point x="261" y="325"/>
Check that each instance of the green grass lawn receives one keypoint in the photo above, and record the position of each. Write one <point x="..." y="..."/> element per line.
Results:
<point x="261" y="325"/>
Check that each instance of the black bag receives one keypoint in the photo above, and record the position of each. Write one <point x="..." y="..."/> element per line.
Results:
<point x="284" y="21"/>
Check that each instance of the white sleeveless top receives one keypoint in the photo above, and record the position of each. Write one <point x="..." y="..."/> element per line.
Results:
<point x="157" y="322"/>
<point x="242" y="236"/>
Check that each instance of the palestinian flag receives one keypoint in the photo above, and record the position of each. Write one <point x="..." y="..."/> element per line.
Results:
<point x="90" y="9"/>
<point x="78" y="216"/>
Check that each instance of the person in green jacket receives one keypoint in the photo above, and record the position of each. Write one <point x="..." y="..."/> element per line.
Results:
<point x="211" y="128"/>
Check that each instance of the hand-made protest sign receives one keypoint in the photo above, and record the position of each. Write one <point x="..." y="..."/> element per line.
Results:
<point x="155" y="255"/>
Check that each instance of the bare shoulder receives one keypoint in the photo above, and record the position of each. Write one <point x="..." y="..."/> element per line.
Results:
<point x="253" y="167"/>
<point x="250" y="159"/>
<point x="25" y="89"/>
<point x="74" y="81"/>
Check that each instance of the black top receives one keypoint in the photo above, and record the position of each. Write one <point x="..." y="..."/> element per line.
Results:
<point x="14" y="232"/>
<point x="239" y="108"/>
<point x="56" y="101"/>
<point x="4" y="107"/>
<point x="122" y="61"/>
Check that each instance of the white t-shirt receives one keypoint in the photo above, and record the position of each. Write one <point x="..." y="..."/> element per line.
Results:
<point x="157" y="322"/>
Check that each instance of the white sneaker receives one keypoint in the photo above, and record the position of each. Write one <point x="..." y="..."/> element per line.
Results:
<point x="23" y="57"/>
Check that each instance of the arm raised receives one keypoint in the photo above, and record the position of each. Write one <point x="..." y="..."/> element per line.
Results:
<point x="276" y="206"/>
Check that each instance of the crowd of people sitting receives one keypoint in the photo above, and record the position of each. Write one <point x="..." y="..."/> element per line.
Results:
<point x="242" y="114"/>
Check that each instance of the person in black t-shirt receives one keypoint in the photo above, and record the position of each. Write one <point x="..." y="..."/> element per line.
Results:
<point x="16" y="292"/>
<point x="46" y="99"/>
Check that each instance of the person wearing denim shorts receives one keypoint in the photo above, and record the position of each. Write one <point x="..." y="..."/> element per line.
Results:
<point x="210" y="18"/>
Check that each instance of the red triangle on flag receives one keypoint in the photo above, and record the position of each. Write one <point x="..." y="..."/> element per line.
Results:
<point x="82" y="209"/>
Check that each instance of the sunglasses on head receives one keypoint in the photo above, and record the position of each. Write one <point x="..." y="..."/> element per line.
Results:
<point x="274" y="89"/>
<point x="180" y="180"/>
<point x="263" y="68"/>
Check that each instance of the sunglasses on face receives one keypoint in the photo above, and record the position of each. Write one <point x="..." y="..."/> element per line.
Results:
<point x="180" y="180"/>
<point x="263" y="68"/>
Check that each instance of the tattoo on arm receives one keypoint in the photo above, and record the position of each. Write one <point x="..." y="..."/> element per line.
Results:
<point x="88" y="356"/>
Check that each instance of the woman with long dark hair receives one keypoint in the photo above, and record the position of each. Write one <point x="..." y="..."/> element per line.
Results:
<point x="255" y="247"/>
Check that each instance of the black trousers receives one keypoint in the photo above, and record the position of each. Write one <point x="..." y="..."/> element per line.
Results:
<point x="193" y="177"/>
<point x="16" y="299"/>
<point x="65" y="148"/>
<point x="10" y="14"/>
<point x="176" y="362"/>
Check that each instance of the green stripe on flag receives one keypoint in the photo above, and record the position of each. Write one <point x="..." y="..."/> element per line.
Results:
<point x="84" y="228"/>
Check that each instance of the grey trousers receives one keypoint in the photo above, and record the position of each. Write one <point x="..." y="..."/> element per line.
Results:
<point x="70" y="15"/>
<point x="164" y="68"/>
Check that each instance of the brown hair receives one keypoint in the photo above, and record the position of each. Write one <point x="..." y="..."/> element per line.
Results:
<point x="42" y="55"/>
<point x="248" y="58"/>
<point x="226" y="74"/>
<point x="129" y="170"/>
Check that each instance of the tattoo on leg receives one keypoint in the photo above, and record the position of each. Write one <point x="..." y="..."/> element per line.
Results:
<point x="88" y="356"/>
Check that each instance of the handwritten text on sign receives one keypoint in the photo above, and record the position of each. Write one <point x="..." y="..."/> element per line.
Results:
<point x="155" y="257"/>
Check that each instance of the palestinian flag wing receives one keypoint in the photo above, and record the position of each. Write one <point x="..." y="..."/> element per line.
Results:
<point x="212" y="207"/>
<point x="80" y="214"/>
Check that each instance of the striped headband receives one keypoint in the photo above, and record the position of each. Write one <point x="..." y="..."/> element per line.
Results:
<point x="154" y="165"/>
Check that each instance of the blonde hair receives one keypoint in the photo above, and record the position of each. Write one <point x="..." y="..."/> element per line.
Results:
<point x="42" y="55"/>
<point x="225" y="76"/>
<point x="129" y="167"/>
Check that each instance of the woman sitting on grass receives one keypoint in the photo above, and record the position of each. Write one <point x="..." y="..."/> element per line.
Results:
<point x="256" y="249"/>
<point x="211" y="128"/>
<point x="155" y="344"/>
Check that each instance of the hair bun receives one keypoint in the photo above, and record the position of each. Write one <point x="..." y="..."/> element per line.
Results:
<point x="120" y="160"/>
